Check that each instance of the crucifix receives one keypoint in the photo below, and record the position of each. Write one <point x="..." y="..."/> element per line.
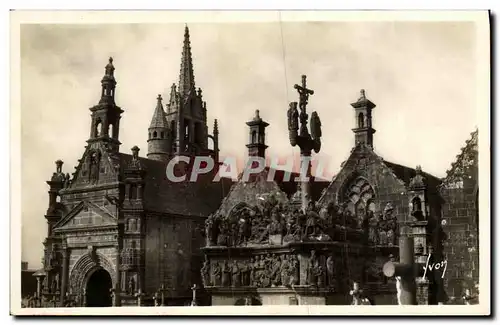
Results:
<point x="194" y="288"/>
<point x="404" y="272"/>
<point x="139" y="296"/>
<point x="306" y="141"/>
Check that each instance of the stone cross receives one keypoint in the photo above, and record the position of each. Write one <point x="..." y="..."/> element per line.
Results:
<point x="404" y="271"/>
<point x="304" y="93"/>
<point x="139" y="296"/>
<point x="194" y="288"/>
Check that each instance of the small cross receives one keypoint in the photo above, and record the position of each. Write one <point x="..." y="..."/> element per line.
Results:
<point x="194" y="288"/>
<point x="304" y="93"/>
<point x="159" y="98"/>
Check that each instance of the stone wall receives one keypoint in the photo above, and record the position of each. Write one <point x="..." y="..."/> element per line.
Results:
<point x="461" y="247"/>
<point x="172" y="254"/>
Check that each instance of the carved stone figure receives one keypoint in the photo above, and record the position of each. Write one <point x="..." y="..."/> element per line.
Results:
<point x="382" y="236"/>
<point x="320" y="274"/>
<point x="216" y="274"/>
<point x="284" y="270"/>
<point x="245" y="273"/>
<point x="211" y="230"/>
<point x="131" y="285"/>
<point x="236" y="275"/>
<point x="222" y="238"/>
<point x="94" y="167"/>
<point x="265" y="266"/>
<point x="311" y="272"/>
<point x="373" y="228"/>
<point x="294" y="270"/>
<point x="205" y="274"/>
<point x="330" y="271"/>
<point x="226" y="277"/>
<point x="276" y="270"/>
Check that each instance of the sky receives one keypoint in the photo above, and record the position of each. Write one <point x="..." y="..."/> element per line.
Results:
<point x="421" y="75"/>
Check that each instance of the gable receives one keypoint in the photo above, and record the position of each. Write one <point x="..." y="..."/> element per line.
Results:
<point x="97" y="166"/>
<point x="86" y="214"/>
<point x="362" y="176"/>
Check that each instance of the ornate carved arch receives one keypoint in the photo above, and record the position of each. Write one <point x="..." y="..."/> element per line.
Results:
<point x="85" y="267"/>
<point x="357" y="195"/>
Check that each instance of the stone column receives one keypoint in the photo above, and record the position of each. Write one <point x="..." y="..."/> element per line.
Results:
<point x="64" y="275"/>
<point x="38" y="287"/>
<point x="305" y="173"/>
<point x="117" y="287"/>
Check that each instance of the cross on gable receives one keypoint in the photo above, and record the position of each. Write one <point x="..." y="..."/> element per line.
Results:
<point x="304" y="93"/>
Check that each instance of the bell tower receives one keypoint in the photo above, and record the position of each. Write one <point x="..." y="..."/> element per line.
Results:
<point x="363" y="130"/>
<point x="106" y="114"/>
<point x="257" y="141"/>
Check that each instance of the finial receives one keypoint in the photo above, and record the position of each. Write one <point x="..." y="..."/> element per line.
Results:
<point x="159" y="99"/>
<point x="59" y="164"/>
<point x="135" y="152"/>
<point x="216" y="126"/>
<point x="199" y="92"/>
<point x="110" y="60"/>
<point x="419" y="169"/>
<point x="257" y="115"/>
<point x="362" y="94"/>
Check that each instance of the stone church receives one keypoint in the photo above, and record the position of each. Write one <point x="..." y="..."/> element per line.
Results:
<point x="120" y="233"/>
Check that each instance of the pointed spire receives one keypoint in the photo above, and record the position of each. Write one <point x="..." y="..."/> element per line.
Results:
<point x="216" y="127"/>
<point x="158" y="120"/>
<point x="186" y="78"/>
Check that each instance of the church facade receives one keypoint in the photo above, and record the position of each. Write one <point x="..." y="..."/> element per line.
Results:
<point x="121" y="233"/>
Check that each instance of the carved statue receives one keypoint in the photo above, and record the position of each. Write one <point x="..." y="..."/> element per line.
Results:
<point x="236" y="275"/>
<point x="245" y="273"/>
<point x="320" y="274"/>
<point x="205" y="273"/>
<point x="285" y="270"/>
<point x="311" y="272"/>
<point x="216" y="274"/>
<point x="315" y="126"/>
<point x="294" y="270"/>
<point x="276" y="270"/>
<point x="265" y="266"/>
<point x="94" y="167"/>
<point x="382" y="236"/>
<point x="226" y="278"/>
<point x="330" y="271"/>
<point x="222" y="239"/>
<point x="211" y="230"/>
<point x="372" y="227"/>
<point x="131" y="285"/>
<point x="293" y="123"/>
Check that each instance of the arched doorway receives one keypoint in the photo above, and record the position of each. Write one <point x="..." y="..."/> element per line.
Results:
<point x="98" y="289"/>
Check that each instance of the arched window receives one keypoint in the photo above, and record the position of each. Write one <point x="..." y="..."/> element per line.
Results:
<point x="254" y="137"/>
<point x="211" y="144"/>
<point x="361" y="120"/>
<point x="110" y="131"/>
<point x="98" y="128"/>
<point x="155" y="135"/>
<point x="162" y="135"/>
<point x="417" y="204"/>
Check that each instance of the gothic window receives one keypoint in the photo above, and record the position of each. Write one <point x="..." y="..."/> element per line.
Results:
<point x="357" y="198"/>
<point x="361" y="120"/>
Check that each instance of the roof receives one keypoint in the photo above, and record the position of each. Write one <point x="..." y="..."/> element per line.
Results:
<point x="158" y="120"/>
<point x="199" y="198"/>
<point x="405" y="174"/>
<point x="465" y="159"/>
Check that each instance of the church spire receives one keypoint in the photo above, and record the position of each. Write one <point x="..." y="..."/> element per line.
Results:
<point x="186" y="78"/>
